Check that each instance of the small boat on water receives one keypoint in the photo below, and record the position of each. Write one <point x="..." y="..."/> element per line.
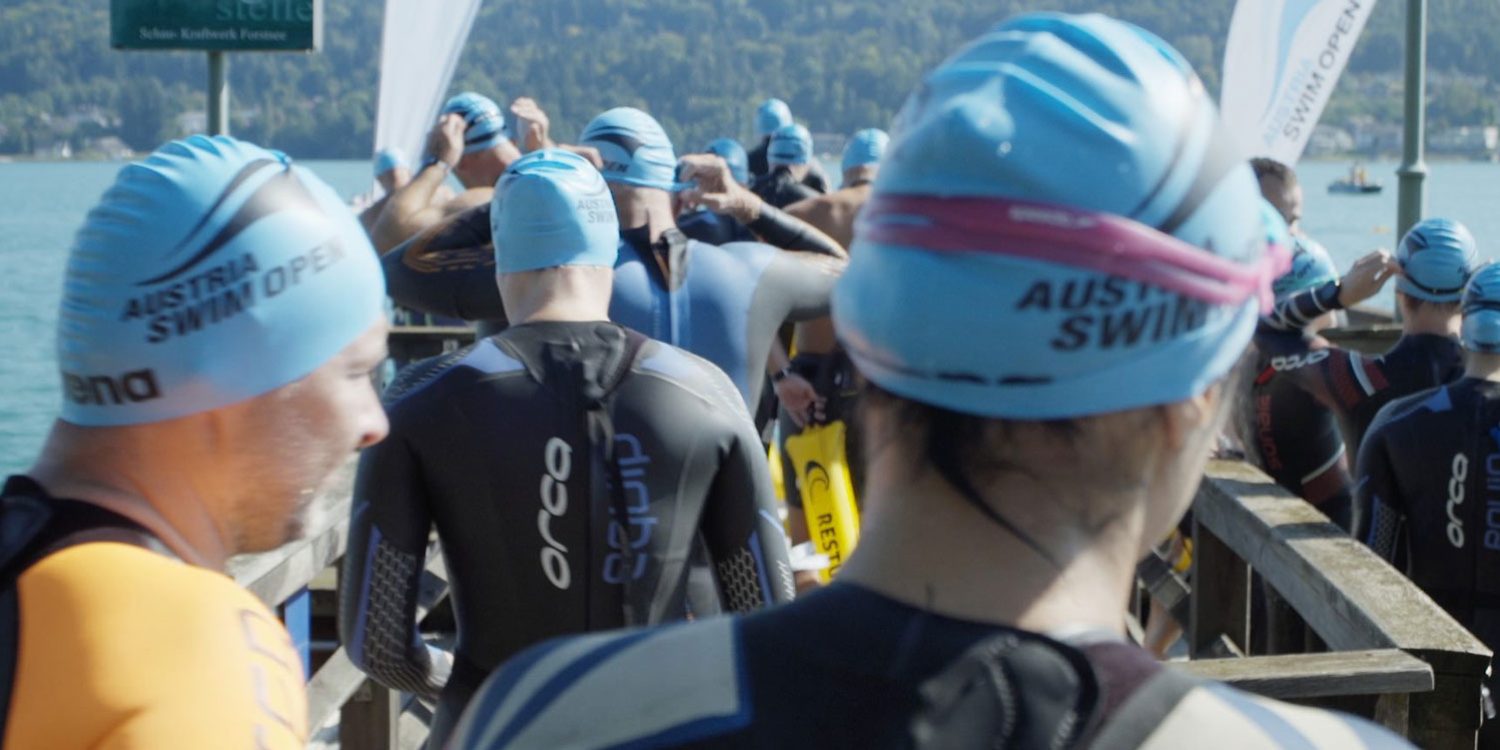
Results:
<point x="1357" y="183"/>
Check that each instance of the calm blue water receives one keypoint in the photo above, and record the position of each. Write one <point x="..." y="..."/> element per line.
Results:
<point x="41" y="205"/>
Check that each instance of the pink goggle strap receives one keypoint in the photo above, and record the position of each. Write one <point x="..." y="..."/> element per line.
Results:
<point x="1069" y="237"/>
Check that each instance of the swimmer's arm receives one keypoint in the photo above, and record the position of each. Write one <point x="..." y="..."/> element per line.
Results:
<point x="1377" y="517"/>
<point x="788" y="232"/>
<point x="742" y="529"/>
<point x="802" y="284"/>
<point x="448" y="269"/>
<point x="410" y="208"/>
<point x="382" y="569"/>
<point x="1295" y="312"/>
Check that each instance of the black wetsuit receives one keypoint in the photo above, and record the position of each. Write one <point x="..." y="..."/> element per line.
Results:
<point x="723" y="303"/>
<point x="1430" y="468"/>
<point x="1355" y="386"/>
<point x="846" y="667"/>
<point x="759" y="166"/>
<point x="714" y="229"/>
<point x="780" y="189"/>
<point x="497" y="446"/>
<point x="1288" y="433"/>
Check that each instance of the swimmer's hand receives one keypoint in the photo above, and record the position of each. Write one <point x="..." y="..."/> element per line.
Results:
<point x="445" y="142"/>
<point x="588" y="152"/>
<point x="716" y="190"/>
<point x="799" y="398"/>
<point x="1366" y="277"/>
<point x="531" y="125"/>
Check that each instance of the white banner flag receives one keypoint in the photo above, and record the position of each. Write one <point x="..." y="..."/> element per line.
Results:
<point x="419" y="50"/>
<point x="1281" y="63"/>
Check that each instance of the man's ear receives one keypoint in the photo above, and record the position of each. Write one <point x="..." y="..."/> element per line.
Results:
<point x="1182" y="420"/>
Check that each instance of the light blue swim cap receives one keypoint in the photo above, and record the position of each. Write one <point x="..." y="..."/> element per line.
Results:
<point x="551" y="208"/>
<point x="790" y="144"/>
<point x="733" y="155"/>
<point x="636" y="151"/>
<point x="210" y="273"/>
<point x="771" y="115"/>
<point x="1312" y="267"/>
<point x="484" y="123"/>
<point x="1051" y="195"/>
<point x="1436" y="257"/>
<point x="1481" y="307"/>
<point x="389" y="158"/>
<point x="866" y="147"/>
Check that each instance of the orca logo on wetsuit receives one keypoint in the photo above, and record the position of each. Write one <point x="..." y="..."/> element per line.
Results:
<point x="559" y="460"/>
<point x="1295" y="361"/>
<point x="1456" y="498"/>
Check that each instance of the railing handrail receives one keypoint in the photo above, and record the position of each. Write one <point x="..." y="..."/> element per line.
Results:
<point x="1351" y="598"/>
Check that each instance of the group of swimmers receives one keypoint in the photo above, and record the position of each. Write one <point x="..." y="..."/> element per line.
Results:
<point x="1032" y="301"/>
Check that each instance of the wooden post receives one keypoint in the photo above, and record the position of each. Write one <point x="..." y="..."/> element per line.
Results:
<point x="1221" y="596"/>
<point x="1447" y="718"/>
<point x="369" y="720"/>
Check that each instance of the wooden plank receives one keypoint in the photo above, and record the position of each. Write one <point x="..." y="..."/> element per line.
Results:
<point x="1220" y="606"/>
<point x="1448" y="717"/>
<point x="1295" y="676"/>
<point x="1350" y="597"/>
<point x="369" y="720"/>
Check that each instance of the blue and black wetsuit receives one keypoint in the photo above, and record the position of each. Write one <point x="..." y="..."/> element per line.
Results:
<point x="1288" y="433"/>
<point x="1430" y="469"/>
<point x="714" y="228"/>
<point x="846" y="667"/>
<point x="499" y="447"/>
<point x="723" y="303"/>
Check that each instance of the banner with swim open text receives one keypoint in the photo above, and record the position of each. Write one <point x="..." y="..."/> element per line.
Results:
<point x="419" y="50"/>
<point x="1281" y="62"/>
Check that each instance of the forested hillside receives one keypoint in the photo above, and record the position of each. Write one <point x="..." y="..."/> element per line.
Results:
<point x="699" y="65"/>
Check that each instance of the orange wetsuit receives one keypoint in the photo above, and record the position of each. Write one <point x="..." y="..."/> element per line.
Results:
<point x="123" y="647"/>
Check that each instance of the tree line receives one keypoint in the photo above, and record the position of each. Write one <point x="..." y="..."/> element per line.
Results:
<point x="699" y="65"/>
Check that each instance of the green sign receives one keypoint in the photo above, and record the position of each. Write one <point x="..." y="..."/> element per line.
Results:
<point x="216" y="24"/>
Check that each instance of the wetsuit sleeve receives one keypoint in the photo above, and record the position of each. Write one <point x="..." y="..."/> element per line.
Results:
<point x="448" y="269"/>
<point x="1296" y="311"/>
<point x="382" y="570"/>
<point x="1376" y="489"/>
<point x="797" y="286"/>
<point x="781" y="229"/>
<point x="742" y="530"/>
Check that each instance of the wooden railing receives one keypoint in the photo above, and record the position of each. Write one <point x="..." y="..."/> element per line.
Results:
<point x="1392" y="654"/>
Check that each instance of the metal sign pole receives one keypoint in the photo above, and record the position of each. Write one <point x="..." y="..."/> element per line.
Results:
<point x="218" y="93"/>
<point x="1413" y="171"/>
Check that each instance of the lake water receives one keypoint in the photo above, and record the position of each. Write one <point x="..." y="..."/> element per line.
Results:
<point x="41" y="205"/>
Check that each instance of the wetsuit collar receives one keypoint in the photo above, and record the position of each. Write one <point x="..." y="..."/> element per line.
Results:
<point x="670" y="253"/>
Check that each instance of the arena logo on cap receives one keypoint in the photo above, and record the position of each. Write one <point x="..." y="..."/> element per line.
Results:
<point x="133" y="387"/>
<point x="1112" y="312"/>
